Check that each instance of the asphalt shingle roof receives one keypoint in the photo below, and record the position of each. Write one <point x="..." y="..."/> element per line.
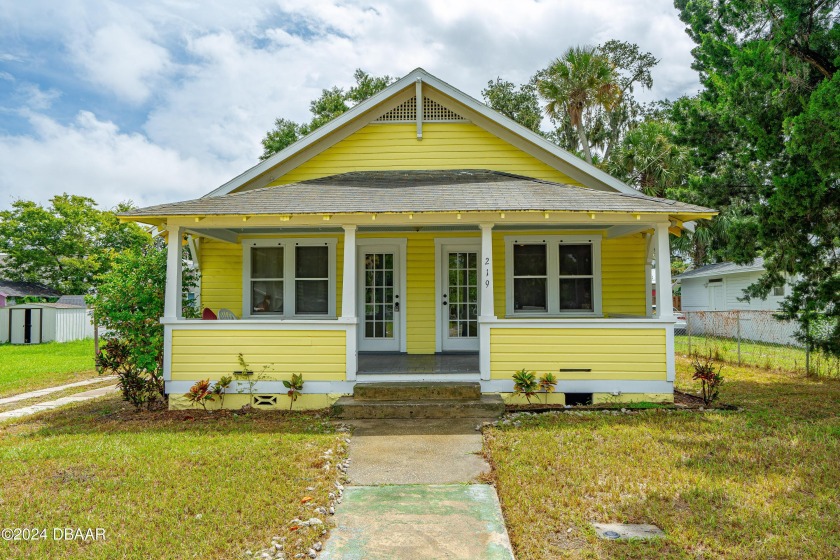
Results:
<point x="719" y="269"/>
<point x="418" y="191"/>
<point x="25" y="289"/>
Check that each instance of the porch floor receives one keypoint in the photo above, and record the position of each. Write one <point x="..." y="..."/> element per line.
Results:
<point x="397" y="362"/>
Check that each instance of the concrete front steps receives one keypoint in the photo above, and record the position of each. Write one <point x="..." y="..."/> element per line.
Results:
<point x="418" y="400"/>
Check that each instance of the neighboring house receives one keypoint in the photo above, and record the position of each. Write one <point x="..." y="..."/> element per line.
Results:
<point x="432" y="241"/>
<point x="719" y="289"/>
<point x="34" y="323"/>
<point x="11" y="290"/>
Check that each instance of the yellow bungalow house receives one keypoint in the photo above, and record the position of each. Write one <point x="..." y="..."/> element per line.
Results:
<point x="422" y="236"/>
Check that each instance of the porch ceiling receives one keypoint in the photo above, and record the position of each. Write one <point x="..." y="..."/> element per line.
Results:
<point x="421" y="192"/>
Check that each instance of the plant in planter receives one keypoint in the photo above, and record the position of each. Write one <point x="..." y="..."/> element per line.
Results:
<point x="525" y="384"/>
<point x="710" y="378"/>
<point x="221" y="387"/>
<point x="294" y="386"/>
<point x="548" y="383"/>
<point x="200" y="393"/>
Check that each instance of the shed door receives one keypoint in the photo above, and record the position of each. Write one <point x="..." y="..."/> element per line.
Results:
<point x="717" y="297"/>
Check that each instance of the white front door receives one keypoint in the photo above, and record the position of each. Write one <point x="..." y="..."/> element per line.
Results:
<point x="380" y="298"/>
<point x="460" y="298"/>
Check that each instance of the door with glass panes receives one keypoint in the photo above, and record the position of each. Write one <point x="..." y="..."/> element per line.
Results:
<point x="380" y="297"/>
<point x="460" y="298"/>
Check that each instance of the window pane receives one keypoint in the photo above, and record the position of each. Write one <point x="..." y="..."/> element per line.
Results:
<point x="529" y="260"/>
<point x="576" y="293"/>
<point x="529" y="294"/>
<point x="311" y="297"/>
<point x="312" y="262"/>
<point x="575" y="260"/>
<point x="267" y="296"/>
<point x="267" y="262"/>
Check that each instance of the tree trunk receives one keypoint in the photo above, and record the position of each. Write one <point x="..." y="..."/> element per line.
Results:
<point x="584" y="141"/>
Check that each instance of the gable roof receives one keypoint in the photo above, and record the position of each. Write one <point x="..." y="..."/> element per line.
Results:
<point x="550" y="153"/>
<point x="467" y="190"/>
<point x="722" y="269"/>
<point x="25" y="289"/>
<point x="77" y="300"/>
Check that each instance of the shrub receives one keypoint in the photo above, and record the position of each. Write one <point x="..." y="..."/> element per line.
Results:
<point x="221" y="387"/>
<point x="525" y="383"/>
<point x="548" y="383"/>
<point x="136" y="385"/>
<point x="294" y="386"/>
<point x="200" y="393"/>
<point x="710" y="379"/>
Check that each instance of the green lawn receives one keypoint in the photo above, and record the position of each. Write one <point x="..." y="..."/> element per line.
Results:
<point x="30" y="367"/>
<point x="759" y="354"/>
<point x="763" y="482"/>
<point x="164" y="484"/>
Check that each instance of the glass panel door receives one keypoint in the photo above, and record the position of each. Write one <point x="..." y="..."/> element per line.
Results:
<point x="460" y="300"/>
<point x="380" y="301"/>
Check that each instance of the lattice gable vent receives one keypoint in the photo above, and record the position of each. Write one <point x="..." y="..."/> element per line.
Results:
<point x="432" y="112"/>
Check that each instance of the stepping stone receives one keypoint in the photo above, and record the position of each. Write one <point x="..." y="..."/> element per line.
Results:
<point x="615" y="531"/>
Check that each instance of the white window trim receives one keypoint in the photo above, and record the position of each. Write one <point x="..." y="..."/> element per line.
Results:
<point x="552" y="243"/>
<point x="288" y="244"/>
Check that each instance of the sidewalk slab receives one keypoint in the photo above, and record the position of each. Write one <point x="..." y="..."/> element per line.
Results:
<point x="56" y="389"/>
<point x="418" y="522"/>
<point x="49" y="405"/>
<point x="438" y="451"/>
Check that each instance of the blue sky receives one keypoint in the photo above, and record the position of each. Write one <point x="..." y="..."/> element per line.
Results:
<point x="162" y="101"/>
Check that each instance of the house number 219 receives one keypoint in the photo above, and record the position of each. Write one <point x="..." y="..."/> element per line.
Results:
<point x="487" y="272"/>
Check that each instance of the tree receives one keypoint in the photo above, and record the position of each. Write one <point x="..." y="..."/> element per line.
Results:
<point x="331" y="103"/>
<point x="66" y="245"/>
<point x="521" y="105"/>
<point x="129" y="303"/>
<point x="649" y="160"/>
<point x="763" y="134"/>
<point x="579" y="81"/>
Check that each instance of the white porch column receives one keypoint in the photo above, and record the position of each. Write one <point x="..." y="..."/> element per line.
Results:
<point x="174" y="280"/>
<point x="486" y="268"/>
<point x="348" y="291"/>
<point x="348" y="300"/>
<point x="664" y="294"/>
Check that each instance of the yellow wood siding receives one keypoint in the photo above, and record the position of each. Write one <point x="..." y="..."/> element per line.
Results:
<point x="221" y="273"/>
<point x="622" y="272"/>
<point x="623" y="275"/>
<point x="320" y="355"/>
<point x="444" y="146"/>
<point x="634" y="354"/>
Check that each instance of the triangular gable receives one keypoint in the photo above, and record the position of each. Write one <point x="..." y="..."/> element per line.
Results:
<point x="449" y="119"/>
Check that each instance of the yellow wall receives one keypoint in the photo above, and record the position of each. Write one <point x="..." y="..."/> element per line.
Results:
<point x="634" y="354"/>
<point x="221" y="273"/>
<point x="622" y="273"/>
<point x="444" y="146"/>
<point x="318" y="354"/>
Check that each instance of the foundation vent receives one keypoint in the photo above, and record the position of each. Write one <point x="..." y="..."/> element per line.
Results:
<point x="265" y="400"/>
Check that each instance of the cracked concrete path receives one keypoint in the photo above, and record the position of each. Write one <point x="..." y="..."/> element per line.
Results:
<point x="49" y="390"/>
<point x="414" y="495"/>
<point x="49" y="405"/>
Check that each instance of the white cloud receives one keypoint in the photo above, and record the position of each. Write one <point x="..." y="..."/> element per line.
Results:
<point x="93" y="158"/>
<point x="212" y="76"/>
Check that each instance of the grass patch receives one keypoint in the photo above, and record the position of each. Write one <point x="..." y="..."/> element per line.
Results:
<point x="163" y="484"/>
<point x="29" y="367"/>
<point x="762" y="482"/>
<point x="777" y="357"/>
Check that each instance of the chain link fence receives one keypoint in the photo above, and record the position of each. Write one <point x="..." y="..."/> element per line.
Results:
<point x="754" y="338"/>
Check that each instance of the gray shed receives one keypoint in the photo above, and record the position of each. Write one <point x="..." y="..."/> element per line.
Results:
<point x="33" y="323"/>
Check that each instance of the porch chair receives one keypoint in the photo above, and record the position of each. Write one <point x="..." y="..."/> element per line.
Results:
<point x="226" y="315"/>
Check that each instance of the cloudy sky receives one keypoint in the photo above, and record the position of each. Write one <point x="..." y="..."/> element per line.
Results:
<point x="166" y="100"/>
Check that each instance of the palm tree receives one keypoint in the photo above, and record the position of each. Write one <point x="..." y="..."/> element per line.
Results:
<point x="579" y="80"/>
<point x="649" y="160"/>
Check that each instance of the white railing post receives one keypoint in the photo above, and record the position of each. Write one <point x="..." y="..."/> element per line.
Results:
<point x="664" y="293"/>
<point x="348" y="299"/>
<point x="174" y="281"/>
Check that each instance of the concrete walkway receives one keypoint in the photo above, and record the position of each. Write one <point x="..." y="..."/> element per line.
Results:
<point x="413" y="495"/>
<point x="49" y="405"/>
<point x="56" y="389"/>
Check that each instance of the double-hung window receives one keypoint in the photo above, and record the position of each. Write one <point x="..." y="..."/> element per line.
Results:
<point x="289" y="278"/>
<point x="553" y="275"/>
